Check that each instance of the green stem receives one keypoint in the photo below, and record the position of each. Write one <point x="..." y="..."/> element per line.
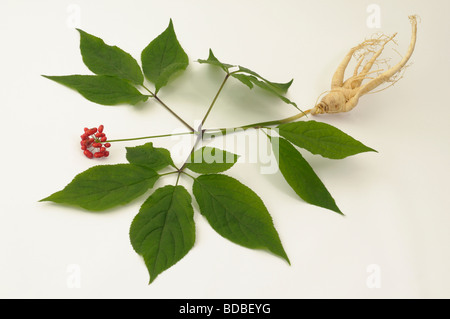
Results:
<point x="169" y="109"/>
<point x="213" y="101"/>
<point x="277" y="122"/>
<point x="148" y="90"/>
<point x="188" y="175"/>
<point x="224" y="131"/>
<point x="174" y="172"/>
<point x="199" y="138"/>
<point x="178" y="178"/>
<point x="147" y="137"/>
<point x="181" y="169"/>
<point x="175" y="114"/>
<point x="200" y="131"/>
<point x="268" y="135"/>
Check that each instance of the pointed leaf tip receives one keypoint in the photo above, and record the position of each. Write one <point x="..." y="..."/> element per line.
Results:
<point x="163" y="57"/>
<point x="103" y="59"/>
<point x="163" y="231"/>
<point x="301" y="177"/>
<point x="323" y="139"/>
<point x="105" y="186"/>
<point x="102" y="89"/>
<point x="237" y="213"/>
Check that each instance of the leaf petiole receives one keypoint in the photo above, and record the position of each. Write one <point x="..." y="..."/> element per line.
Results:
<point x="148" y="90"/>
<point x="212" y="132"/>
<point x="148" y="137"/>
<point x="188" y="175"/>
<point x="153" y="95"/>
<point x="169" y="173"/>
<point x="214" y="101"/>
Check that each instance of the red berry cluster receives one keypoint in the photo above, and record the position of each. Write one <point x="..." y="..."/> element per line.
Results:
<point x="93" y="142"/>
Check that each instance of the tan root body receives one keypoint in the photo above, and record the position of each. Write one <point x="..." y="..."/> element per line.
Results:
<point x="344" y="95"/>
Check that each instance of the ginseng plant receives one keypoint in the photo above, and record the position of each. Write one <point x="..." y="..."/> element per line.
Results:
<point x="163" y="231"/>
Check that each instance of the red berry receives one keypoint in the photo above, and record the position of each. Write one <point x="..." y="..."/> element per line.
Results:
<point x="94" y="138"/>
<point x="89" y="142"/>
<point x="88" y="154"/>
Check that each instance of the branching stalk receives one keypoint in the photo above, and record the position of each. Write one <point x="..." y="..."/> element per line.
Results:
<point x="211" y="132"/>
<point x="213" y="102"/>
<point x="169" y="109"/>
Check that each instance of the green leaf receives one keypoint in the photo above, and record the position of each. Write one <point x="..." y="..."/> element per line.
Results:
<point x="164" y="231"/>
<point x="214" y="61"/>
<point x="300" y="175"/>
<point x="245" y="79"/>
<point x="103" y="59"/>
<point x="274" y="88"/>
<point x="279" y="87"/>
<point x="149" y="156"/>
<point x="208" y="160"/>
<point x="101" y="89"/>
<point x="247" y="76"/>
<point x="251" y="78"/>
<point x="237" y="213"/>
<point x="105" y="186"/>
<point x="321" y="138"/>
<point x="163" y="57"/>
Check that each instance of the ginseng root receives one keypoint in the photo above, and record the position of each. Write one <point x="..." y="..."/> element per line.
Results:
<point x="344" y="95"/>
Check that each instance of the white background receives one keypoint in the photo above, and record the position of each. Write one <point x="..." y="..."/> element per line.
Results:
<point x="396" y="201"/>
